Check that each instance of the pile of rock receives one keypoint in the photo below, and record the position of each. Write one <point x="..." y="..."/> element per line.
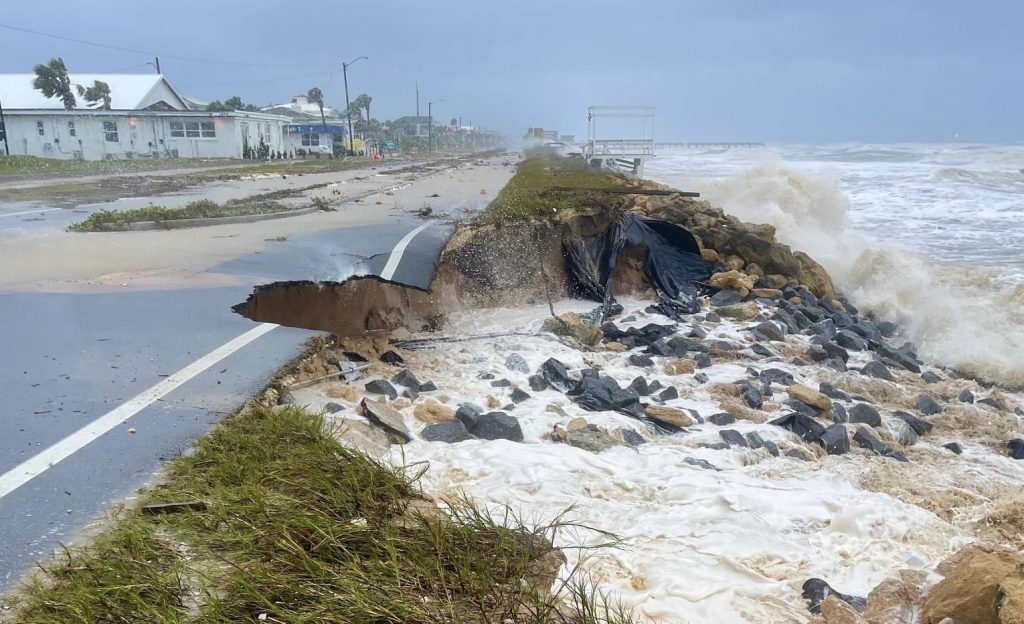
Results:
<point x="981" y="584"/>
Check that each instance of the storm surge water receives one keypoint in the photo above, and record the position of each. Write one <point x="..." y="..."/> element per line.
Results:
<point x="927" y="235"/>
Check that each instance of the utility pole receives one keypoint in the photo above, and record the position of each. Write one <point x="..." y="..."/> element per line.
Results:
<point x="417" y="98"/>
<point x="430" y="125"/>
<point x="158" y="65"/>
<point x="3" y="131"/>
<point x="348" y="106"/>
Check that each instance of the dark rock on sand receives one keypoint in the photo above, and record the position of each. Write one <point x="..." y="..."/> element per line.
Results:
<point x="428" y="387"/>
<point x="771" y="447"/>
<point x="954" y="447"/>
<point x="333" y="408"/>
<point x="602" y="393"/>
<point x="501" y="383"/>
<point x="816" y="590"/>
<point x="451" y="432"/>
<point x="776" y="375"/>
<point x="752" y="397"/>
<point x="966" y="396"/>
<point x="654" y="386"/>
<point x="726" y="297"/>
<point x="390" y="357"/>
<point x="518" y="395"/>
<point x="639" y="359"/>
<point x="865" y="414"/>
<point x="797" y="453"/>
<point x="733" y="437"/>
<point x="928" y="405"/>
<point x="801" y="408"/>
<point x="867" y="440"/>
<point x="701" y="378"/>
<point x="800" y="424"/>
<point x="517" y="363"/>
<point x="835" y="440"/>
<point x="381" y="386"/>
<point x="930" y="377"/>
<point x="701" y="463"/>
<point x="697" y="332"/>
<point x="989" y="401"/>
<point x="485" y="376"/>
<point x="387" y="418"/>
<point x="836" y="351"/>
<point x="832" y="392"/>
<point x="411" y="393"/>
<point x="839" y="413"/>
<point x="721" y="419"/>
<point x="632" y="438"/>
<point x="668" y="394"/>
<point x="754" y="440"/>
<point x="878" y="370"/>
<point x="921" y="427"/>
<point x="848" y="339"/>
<point x="468" y="413"/>
<point x="887" y="329"/>
<point x="711" y="317"/>
<point x="761" y="350"/>
<point x="702" y="360"/>
<point x="537" y="383"/>
<point x="497" y="426"/>
<point x="406" y="379"/>
<point x="639" y="385"/>
<point x="1016" y="448"/>
<point x="769" y="330"/>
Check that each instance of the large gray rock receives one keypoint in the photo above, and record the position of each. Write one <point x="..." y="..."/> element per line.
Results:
<point x="920" y="426"/>
<point x="381" y="386"/>
<point x="726" y="297"/>
<point x="928" y="405"/>
<point x="770" y="330"/>
<point x="406" y="379"/>
<point x="450" y="432"/>
<point x="733" y="437"/>
<point x="901" y="431"/>
<point x="878" y="370"/>
<point x="497" y="426"/>
<point x="865" y="414"/>
<point x="517" y="363"/>
<point x="387" y="418"/>
<point x="848" y="339"/>
<point x="835" y="440"/>
<point x="867" y="440"/>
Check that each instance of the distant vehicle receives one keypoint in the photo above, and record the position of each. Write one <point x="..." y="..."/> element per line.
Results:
<point x="557" y="147"/>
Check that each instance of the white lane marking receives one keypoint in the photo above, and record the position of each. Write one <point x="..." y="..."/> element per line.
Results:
<point x="399" y="250"/>
<point x="27" y="212"/>
<point x="33" y="467"/>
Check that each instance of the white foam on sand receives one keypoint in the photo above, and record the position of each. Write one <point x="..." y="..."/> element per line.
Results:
<point x="733" y="545"/>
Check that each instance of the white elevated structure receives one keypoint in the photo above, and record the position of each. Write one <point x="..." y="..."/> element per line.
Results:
<point x="626" y="155"/>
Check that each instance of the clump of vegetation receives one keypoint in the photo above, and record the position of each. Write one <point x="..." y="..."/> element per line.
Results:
<point x="530" y="195"/>
<point x="299" y="528"/>
<point x="119" y="220"/>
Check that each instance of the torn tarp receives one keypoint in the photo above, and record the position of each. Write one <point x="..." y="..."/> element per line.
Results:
<point x="672" y="262"/>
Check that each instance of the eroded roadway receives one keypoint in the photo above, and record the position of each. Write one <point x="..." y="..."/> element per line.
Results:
<point x="70" y="359"/>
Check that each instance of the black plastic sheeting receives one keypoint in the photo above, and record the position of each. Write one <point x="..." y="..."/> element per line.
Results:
<point x="673" y="263"/>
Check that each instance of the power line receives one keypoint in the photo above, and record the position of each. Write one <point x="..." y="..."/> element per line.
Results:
<point x="136" y="51"/>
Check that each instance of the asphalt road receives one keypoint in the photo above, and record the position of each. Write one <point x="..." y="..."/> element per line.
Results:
<point x="75" y="361"/>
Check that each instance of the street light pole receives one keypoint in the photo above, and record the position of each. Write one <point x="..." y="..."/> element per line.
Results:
<point x="430" y="125"/>
<point x="348" y="106"/>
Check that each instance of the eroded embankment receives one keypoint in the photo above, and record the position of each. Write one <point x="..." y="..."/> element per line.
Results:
<point x="516" y="252"/>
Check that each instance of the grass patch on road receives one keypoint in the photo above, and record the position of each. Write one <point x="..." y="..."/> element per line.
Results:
<point x="528" y="195"/>
<point x="32" y="165"/>
<point x="120" y="220"/>
<point x="299" y="528"/>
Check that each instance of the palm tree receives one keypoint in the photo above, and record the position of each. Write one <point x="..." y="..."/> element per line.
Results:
<point x="316" y="96"/>
<point x="98" y="95"/>
<point x="52" y="79"/>
<point x="363" y="101"/>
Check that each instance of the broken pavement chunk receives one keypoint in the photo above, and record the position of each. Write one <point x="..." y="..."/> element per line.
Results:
<point x="387" y="418"/>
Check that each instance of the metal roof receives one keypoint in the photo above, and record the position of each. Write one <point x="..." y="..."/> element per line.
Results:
<point x="127" y="91"/>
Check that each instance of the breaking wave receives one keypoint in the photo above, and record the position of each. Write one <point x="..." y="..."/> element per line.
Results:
<point x="966" y="317"/>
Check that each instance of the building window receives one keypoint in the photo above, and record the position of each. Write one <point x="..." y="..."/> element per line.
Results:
<point x="71" y="129"/>
<point x="192" y="128"/>
<point x="110" y="131"/>
<point x="177" y="129"/>
<point x="311" y="139"/>
<point x="208" y="130"/>
<point x="39" y="128"/>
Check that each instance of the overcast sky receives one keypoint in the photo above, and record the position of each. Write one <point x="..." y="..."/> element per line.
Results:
<point x="760" y="70"/>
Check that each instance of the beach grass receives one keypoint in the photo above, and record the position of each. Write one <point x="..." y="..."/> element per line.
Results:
<point x="120" y="220"/>
<point x="530" y="195"/>
<point x="296" y="527"/>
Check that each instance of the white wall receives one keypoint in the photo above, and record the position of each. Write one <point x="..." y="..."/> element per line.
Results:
<point x="139" y="135"/>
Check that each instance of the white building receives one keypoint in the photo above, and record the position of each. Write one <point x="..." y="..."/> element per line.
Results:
<point x="307" y="132"/>
<point x="147" y="119"/>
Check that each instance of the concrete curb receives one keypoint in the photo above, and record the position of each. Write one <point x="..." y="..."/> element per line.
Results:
<point x="177" y="224"/>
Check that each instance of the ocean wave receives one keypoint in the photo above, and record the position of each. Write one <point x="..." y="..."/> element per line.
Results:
<point x="965" y="317"/>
